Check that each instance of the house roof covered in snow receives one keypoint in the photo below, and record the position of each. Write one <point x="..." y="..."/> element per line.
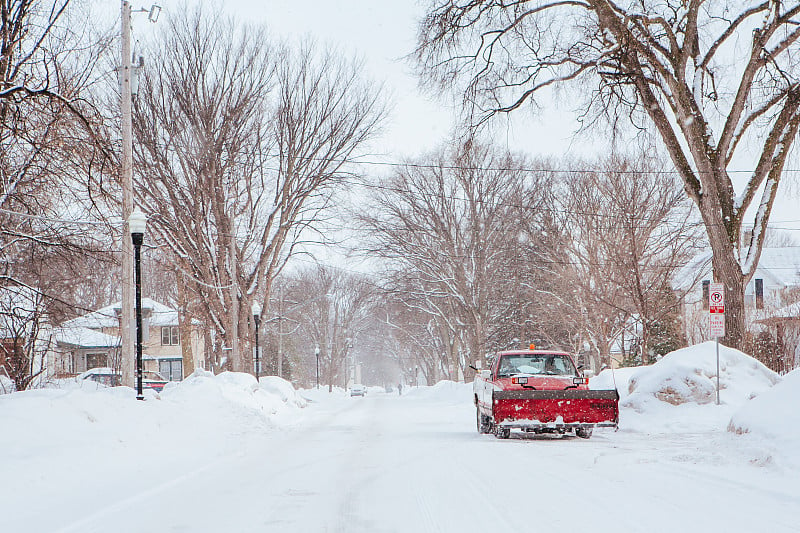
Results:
<point x="80" y="337"/>
<point x="108" y="317"/>
<point x="778" y="267"/>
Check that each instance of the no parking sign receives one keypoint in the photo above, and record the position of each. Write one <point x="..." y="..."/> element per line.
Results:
<point x="716" y="310"/>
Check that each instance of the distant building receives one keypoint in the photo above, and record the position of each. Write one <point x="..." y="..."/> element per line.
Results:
<point x="770" y="297"/>
<point x="93" y="340"/>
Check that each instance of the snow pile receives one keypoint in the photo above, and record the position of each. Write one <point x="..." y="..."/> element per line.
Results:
<point x="203" y="411"/>
<point x="235" y="390"/>
<point x="618" y="379"/>
<point x="282" y="389"/>
<point x="321" y="394"/>
<point x="688" y="376"/>
<point x="444" y="391"/>
<point x="773" y="414"/>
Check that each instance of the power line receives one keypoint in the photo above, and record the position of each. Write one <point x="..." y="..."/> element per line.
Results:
<point x="43" y="218"/>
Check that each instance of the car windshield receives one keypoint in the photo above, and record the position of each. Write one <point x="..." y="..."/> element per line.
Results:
<point x="547" y="364"/>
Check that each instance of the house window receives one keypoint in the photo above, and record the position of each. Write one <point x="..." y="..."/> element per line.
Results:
<point x="96" y="360"/>
<point x="759" y="293"/>
<point x="170" y="336"/>
<point x="171" y="369"/>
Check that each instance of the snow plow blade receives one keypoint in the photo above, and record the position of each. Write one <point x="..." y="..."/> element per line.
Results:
<point x="556" y="409"/>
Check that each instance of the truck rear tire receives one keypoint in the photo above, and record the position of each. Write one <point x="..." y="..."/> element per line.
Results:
<point x="583" y="433"/>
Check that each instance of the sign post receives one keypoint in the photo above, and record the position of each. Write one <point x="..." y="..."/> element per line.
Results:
<point x="716" y="318"/>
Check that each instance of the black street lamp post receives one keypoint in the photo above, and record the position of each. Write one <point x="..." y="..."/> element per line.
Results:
<point x="137" y="223"/>
<point x="256" y="308"/>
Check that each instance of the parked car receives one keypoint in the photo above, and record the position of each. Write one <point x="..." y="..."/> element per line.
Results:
<point x="358" y="390"/>
<point x="108" y="377"/>
<point x="102" y="375"/>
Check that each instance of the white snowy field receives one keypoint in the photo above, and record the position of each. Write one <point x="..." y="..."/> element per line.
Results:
<point x="223" y="454"/>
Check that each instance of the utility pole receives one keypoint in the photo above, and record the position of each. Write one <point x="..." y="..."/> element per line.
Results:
<point x="126" y="178"/>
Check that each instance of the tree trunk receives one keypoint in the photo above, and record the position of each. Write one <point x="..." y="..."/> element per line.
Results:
<point x="728" y="272"/>
<point x="185" y="326"/>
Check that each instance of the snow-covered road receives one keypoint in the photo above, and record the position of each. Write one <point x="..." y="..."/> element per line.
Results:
<point x="416" y="464"/>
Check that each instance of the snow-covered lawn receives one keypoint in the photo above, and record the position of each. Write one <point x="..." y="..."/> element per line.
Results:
<point x="223" y="453"/>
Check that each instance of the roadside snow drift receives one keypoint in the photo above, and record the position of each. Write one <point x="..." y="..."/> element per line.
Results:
<point x="618" y="378"/>
<point x="443" y="391"/>
<point x="773" y="414"/>
<point x="205" y="410"/>
<point x="689" y="376"/>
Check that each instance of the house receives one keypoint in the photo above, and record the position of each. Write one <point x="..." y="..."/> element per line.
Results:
<point x="93" y="340"/>
<point x="83" y="348"/>
<point x="769" y="295"/>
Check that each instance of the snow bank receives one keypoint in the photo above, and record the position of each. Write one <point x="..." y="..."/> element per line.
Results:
<point x="618" y="379"/>
<point x="321" y="394"/>
<point x="282" y="389"/>
<point x="689" y="376"/>
<point x="443" y="391"/>
<point x="192" y="410"/>
<point x="771" y="422"/>
<point x="235" y="390"/>
<point x="772" y="414"/>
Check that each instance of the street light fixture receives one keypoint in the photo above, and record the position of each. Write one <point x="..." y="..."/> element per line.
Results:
<point x="316" y="352"/>
<point x="137" y="223"/>
<point x="256" y="309"/>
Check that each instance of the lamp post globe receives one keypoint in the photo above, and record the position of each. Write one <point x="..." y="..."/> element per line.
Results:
<point x="256" y="310"/>
<point x="137" y="223"/>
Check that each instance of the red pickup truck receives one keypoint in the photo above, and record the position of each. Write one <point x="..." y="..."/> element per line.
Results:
<point x="540" y="391"/>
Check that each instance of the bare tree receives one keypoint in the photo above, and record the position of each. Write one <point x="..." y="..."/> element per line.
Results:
<point x="333" y="310"/>
<point x="448" y="228"/>
<point x="714" y="79"/>
<point x="239" y="143"/>
<point x="49" y="55"/>
<point x="628" y="231"/>
<point x="24" y="333"/>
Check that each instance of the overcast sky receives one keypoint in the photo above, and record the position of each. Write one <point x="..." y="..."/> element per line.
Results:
<point x="383" y="33"/>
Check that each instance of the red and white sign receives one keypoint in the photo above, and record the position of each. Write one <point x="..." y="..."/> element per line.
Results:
<point x="716" y="325"/>
<point x="716" y="298"/>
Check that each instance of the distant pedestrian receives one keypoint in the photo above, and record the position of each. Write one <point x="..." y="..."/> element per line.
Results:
<point x="399" y="389"/>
